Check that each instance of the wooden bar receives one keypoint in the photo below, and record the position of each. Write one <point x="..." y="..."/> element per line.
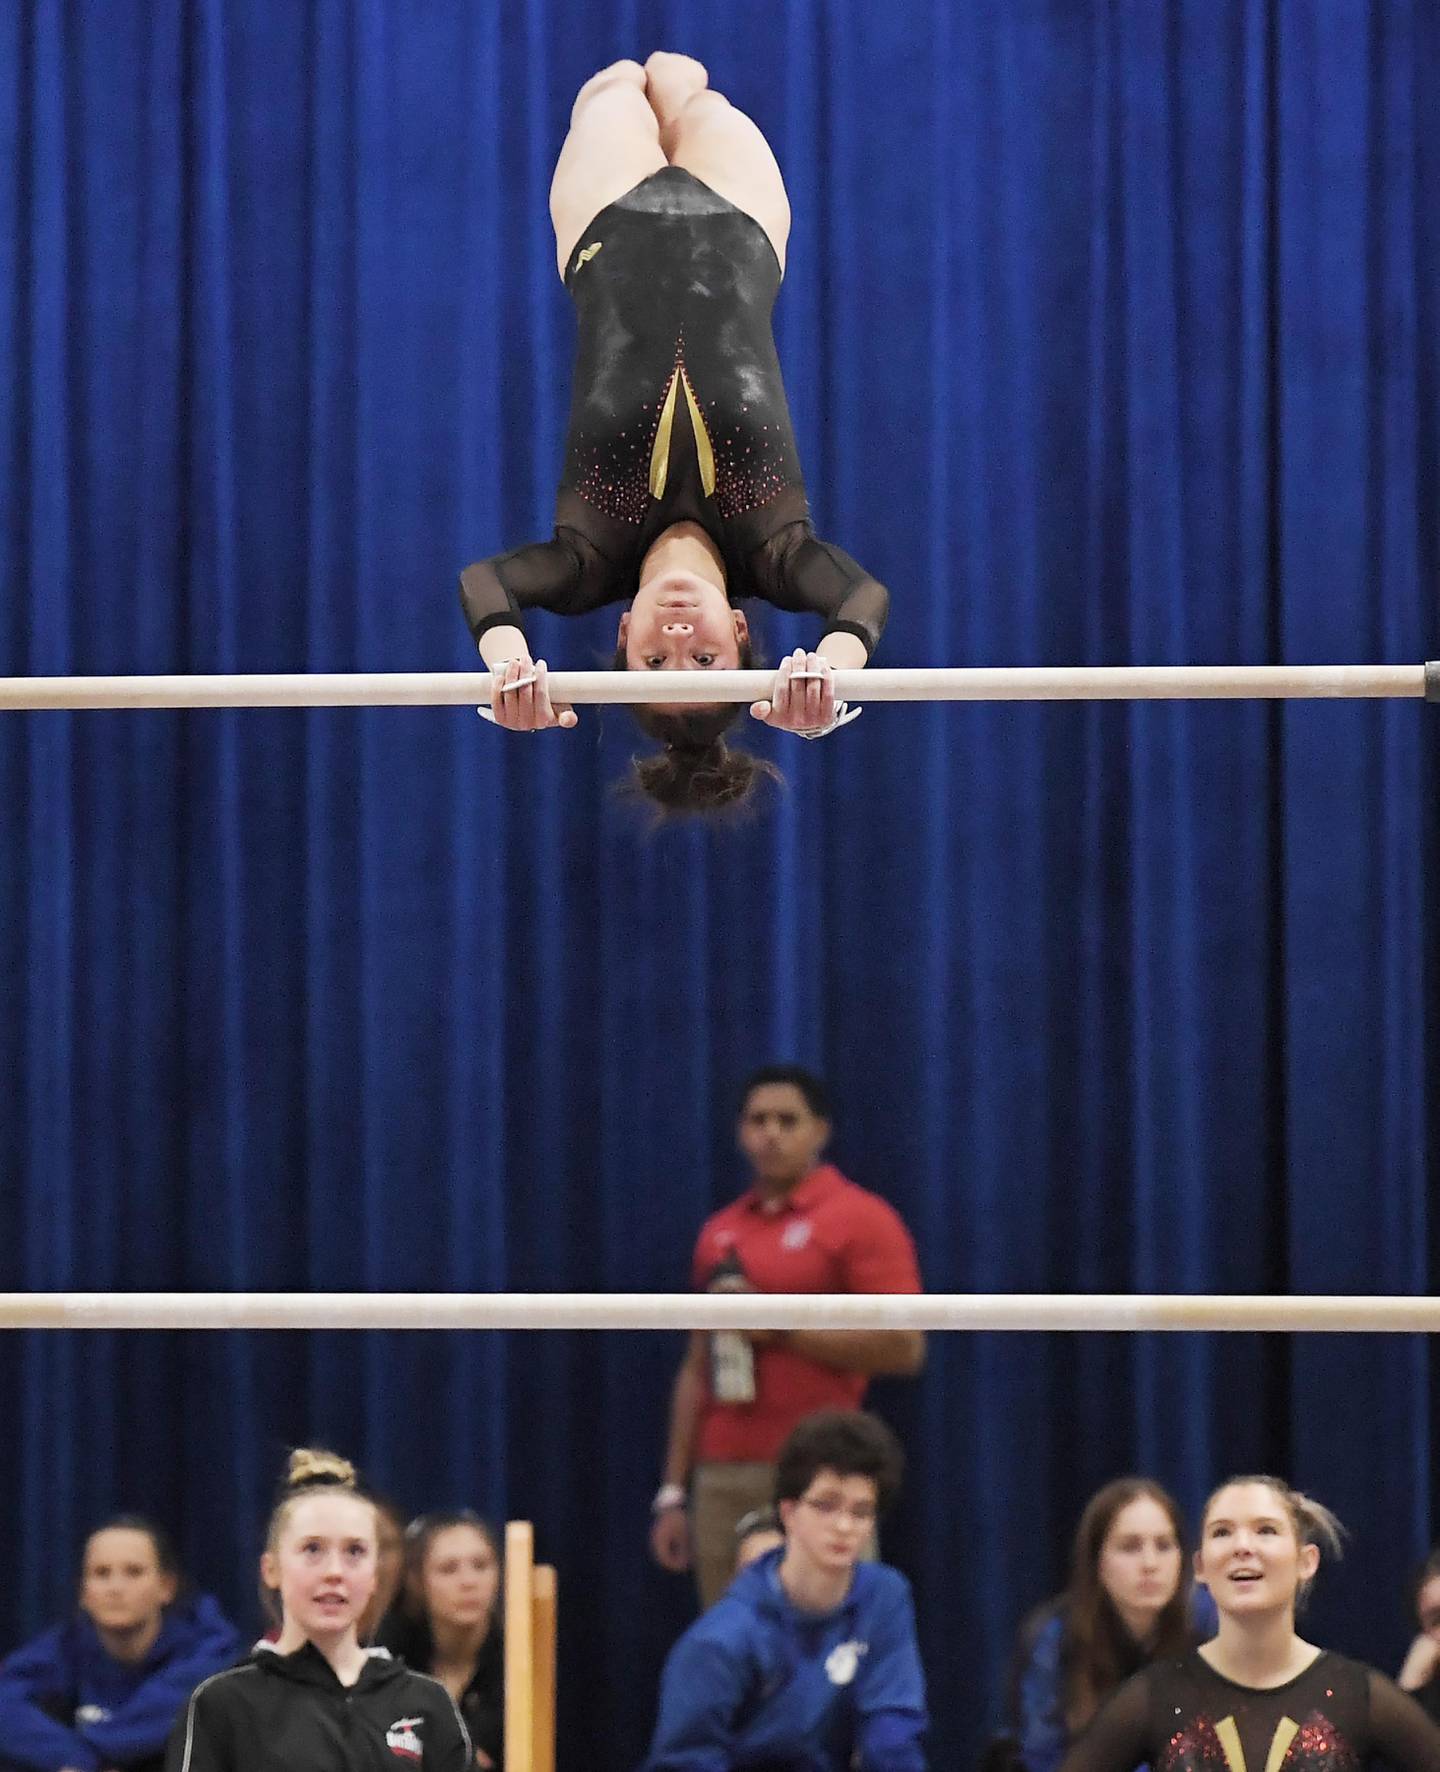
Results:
<point x="519" y="1646"/>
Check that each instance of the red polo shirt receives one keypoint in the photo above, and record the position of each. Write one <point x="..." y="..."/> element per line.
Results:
<point x="827" y="1235"/>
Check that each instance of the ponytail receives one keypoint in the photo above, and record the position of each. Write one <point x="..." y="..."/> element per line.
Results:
<point x="696" y="771"/>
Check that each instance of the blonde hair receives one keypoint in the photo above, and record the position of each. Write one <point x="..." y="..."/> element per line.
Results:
<point x="1311" y="1521"/>
<point x="310" y="1468"/>
<point x="307" y="1470"/>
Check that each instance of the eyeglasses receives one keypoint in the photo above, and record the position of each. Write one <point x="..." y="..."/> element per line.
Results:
<point x="831" y="1507"/>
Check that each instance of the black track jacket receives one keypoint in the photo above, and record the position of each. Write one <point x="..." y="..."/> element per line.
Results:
<point x="289" y="1713"/>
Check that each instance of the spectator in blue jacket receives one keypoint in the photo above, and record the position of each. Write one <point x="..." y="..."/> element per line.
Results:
<point x="1129" y="1601"/>
<point x="100" y="1692"/>
<point x="808" y="1662"/>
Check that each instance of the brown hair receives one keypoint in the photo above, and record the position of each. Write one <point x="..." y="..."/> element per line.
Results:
<point x="696" y="771"/>
<point x="1311" y="1521"/>
<point x="1099" y="1653"/>
<point x="420" y="1534"/>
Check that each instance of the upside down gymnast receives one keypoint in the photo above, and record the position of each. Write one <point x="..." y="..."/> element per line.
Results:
<point x="682" y="488"/>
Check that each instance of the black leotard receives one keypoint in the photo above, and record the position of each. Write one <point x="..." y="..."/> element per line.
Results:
<point x="678" y="414"/>
<point x="1182" y="1716"/>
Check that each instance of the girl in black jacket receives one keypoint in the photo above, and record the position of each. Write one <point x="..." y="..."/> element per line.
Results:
<point x="315" y="1700"/>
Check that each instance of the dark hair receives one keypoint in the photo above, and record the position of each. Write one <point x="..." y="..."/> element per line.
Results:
<point x="1099" y="1653"/>
<point x="850" y="1442"/>
<point x="817" y="1096"/>
<point x="420" y="1534"/>
<point x="166" y="1556"/>
<point x="696" y="771"/>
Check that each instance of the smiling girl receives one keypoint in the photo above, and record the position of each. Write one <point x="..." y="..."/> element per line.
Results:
<point x="316" y="1700"/>
<point x="1259" y="1697"/>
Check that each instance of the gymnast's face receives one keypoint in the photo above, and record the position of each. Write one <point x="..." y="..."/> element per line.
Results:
<point x="1250" y="1557"/>
<point x="324" y="1563"/>
<point x="681" y="622"/>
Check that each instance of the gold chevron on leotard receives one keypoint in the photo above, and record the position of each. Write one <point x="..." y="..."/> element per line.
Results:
<point x="584" y="256"/>
<point x="1285" y="1732"/>
<point x="660" y="451"/>
<point x="1229" y="1737"/>
<point x="703" y="451"/>
<point x="660" y="454"/>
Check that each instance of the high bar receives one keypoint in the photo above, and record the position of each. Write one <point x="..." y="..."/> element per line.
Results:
<point x="460" y="688"/>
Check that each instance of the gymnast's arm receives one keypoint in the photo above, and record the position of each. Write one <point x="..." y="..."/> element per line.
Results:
<point x="567" y="576"/>
<point x="1117" y="1737"/>
<point x="795" y="570"/>
<point x="1400" y="1732"/>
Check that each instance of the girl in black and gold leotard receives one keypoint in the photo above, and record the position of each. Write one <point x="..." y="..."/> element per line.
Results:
<point x="1258" y="1698"/>
<point x="682" y="487"/>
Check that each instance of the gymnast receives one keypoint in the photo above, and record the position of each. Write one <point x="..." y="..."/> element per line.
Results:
<point x="317" y="1700"/>
<point x="1258" y="1696"/>
<point x="681" y="489"/>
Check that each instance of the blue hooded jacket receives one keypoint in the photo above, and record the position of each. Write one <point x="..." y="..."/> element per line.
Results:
<point x="755" y="1682"/>
<point x="64" y="1701"/>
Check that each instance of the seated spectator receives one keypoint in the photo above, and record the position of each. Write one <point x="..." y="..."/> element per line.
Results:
<point x="1420" y="1675"/>
<point x="447" y="1622"/>
<point x="757" y="1532"/>
<point x="103" y="1689"/>
<point x="1128" y="1602"/>
<point x="808" y="1660"/>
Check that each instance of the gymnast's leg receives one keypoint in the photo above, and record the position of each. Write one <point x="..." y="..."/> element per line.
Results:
<point x="614" y="143"/>
<point x="701" y="131"/>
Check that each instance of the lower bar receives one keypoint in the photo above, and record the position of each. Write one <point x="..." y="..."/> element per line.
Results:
<point x="999" y="1311"/>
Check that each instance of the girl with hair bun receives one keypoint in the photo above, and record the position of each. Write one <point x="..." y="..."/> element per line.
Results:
<point x="682" y="492"/>
<point x="1259" y="1697"/>
<point x="317" y="1700"/>
<point x="104" y="1688"/>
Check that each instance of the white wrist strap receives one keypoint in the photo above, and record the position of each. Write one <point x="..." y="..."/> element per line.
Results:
<point x="519" y="683"/>
<point x="844" y="714"/>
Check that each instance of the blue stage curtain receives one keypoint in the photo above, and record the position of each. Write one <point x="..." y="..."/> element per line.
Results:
<point x="1111" y="334"/>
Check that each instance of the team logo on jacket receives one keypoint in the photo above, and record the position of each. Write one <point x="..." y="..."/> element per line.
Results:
<point x="843" y="1662"/>
<point x="403" y="1739"/>
<point x="796" y="1235"/>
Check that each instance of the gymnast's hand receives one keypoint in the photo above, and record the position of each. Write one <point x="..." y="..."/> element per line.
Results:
<point x="520" y="697"/>
<point x="803" y="696"/>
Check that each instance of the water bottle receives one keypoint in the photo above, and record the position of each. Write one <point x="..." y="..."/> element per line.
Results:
<point x="732" y="1358"/>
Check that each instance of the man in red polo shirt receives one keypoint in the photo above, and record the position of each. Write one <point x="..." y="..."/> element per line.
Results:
<point x="800" y="1227"/>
